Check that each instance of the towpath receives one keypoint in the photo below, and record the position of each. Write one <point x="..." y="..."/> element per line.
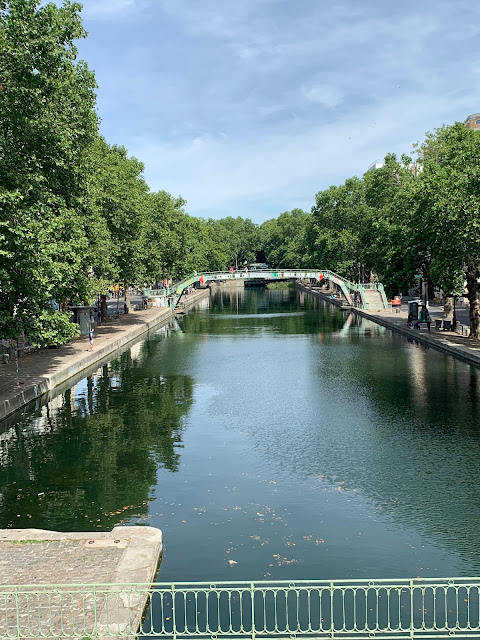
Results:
<point x="452" y="342"/>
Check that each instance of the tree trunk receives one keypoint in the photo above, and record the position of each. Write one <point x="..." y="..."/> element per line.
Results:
<point x="103" y="307"/>
<point x="472" y="288"/>
<point x="127" y="297"/>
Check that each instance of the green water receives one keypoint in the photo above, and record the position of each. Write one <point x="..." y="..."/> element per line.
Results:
<point x="271" y="436"/>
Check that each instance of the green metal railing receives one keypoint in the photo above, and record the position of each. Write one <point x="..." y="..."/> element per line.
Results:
<point x="387" y="609"/>
<point x="347" y="287"/>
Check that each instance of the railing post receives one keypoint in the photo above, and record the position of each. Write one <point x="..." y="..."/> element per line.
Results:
<point x="17" y="608"/>
<point x="95" y="610"/>
<point x="332" y="625"/>
<point x="174" y="621"/>
<point x="252" y="596"/>
<point x="412" y="628"/>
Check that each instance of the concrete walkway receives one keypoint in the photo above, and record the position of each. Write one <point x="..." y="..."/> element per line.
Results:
<point x="45" y="369"/>
<point x="449" y="342"/>
<point x="42" y="370"/>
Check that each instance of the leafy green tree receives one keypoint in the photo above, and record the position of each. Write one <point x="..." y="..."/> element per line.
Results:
<point x="391" y="237"/>
<point x="47" y="127"/>
<point x="449" y="204"/>
<point x="162" y="240"/>
<point x="335" y="237"/>
<point x="122" y="201"/>
<point x="240" y="238"/>
<point x="283" y="239"/>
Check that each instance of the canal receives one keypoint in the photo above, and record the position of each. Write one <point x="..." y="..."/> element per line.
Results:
<point x="269" y="436"/>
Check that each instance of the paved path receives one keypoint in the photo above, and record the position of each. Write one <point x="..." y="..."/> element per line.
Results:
<point x="43" y="369"/>
<point x="30" y="558"/>
<point x="450" y="342"/>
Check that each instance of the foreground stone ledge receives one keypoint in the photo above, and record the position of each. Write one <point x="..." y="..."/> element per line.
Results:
<point x="138" y="550"/>
<point x="35" y="563"/>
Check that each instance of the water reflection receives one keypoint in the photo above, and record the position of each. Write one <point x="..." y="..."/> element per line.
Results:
<point x="89" y="457"/>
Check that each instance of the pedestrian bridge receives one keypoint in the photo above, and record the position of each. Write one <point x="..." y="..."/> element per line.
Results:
<point x="364" y="295"/>
<point x="346" y="609"/>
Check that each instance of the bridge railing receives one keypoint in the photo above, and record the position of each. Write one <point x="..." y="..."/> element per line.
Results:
<point x="387" y="609"/>
<point x="347" y="287"/>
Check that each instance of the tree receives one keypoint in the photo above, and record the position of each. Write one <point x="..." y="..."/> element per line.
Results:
<point x="283" y="239"/>
<point x="334" y="239"/>
<point x="240" y="238"/>
<point x="47" y="126"/>
<point x="450" y="209"/>
<point x="392" y="239"/>
<point x="122" y="201"/>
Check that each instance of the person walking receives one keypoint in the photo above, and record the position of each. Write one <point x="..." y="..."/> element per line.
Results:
<point x="90" y="339"/>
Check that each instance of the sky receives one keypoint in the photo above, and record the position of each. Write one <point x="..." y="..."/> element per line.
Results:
<point x="250" y="107"/>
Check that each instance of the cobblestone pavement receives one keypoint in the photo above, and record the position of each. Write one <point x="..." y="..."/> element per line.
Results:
<point x="38" y="562"/>
<point x="33" y="563"/>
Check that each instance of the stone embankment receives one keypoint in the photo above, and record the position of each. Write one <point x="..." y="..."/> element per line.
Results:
<point x="46" y="369"/>
<point x="450" y="342"/>
<point x="34" y="562"/>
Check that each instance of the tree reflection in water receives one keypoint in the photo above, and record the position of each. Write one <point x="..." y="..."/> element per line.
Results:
<point x="89" y="457"/>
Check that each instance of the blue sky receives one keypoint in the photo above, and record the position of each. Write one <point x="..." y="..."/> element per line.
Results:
<point x="250" y="107"/>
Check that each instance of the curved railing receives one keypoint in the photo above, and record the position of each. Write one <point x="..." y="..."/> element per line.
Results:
<point x="347" y="287"/>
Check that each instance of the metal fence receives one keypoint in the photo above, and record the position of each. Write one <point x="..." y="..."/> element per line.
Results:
<point x="387" y="609"/>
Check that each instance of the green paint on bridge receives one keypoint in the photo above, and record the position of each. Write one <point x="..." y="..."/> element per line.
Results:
<point x="363" y="294"/>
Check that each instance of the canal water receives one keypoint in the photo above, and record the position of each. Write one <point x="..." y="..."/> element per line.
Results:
<point x="269" y="436"/>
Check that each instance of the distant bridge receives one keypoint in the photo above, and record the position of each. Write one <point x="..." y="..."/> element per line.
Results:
<point x="364" y="295"/>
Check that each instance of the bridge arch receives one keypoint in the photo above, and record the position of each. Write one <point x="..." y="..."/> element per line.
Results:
<point x="349" y="289"/>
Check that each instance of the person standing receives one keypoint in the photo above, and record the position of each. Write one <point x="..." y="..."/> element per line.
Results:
<point x="90" y="339"/>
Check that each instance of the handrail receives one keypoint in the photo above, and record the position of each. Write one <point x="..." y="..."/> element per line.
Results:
<point x="348" y="609"/>
<point x="175" y="291"/>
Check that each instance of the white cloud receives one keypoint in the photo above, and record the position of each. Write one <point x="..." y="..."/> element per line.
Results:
<point x="219" y="176"/>
<point x="323" y="94"/>
<point x="268" y="101"/>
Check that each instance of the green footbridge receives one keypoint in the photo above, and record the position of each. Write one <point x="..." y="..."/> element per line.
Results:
<point x="364" y="295"/>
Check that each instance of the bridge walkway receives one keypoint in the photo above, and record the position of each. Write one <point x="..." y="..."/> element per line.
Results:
<point x="368" y="294"/>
